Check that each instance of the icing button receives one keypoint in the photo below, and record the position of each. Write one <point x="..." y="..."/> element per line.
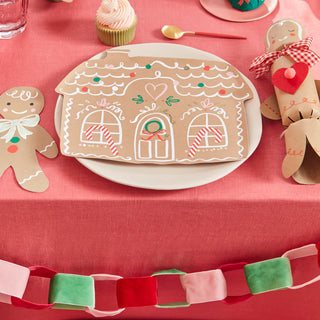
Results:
<point x="186" y="68"/>
<point x="12" y="149"/>
<point x="15" y="140"/>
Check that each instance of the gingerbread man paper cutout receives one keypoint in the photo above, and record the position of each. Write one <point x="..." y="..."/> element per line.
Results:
<point x="296" y="98"/>
<point x="21" y="136"/>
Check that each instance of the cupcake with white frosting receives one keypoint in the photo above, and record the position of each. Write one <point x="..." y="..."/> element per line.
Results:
<point x="116" y="22"/>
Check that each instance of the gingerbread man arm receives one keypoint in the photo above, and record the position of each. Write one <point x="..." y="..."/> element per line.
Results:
<point x="46" y="145"/>
<point x="270" y="108"/>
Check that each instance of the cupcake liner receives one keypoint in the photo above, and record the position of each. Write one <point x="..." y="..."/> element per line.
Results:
<point x="113" y="37"/>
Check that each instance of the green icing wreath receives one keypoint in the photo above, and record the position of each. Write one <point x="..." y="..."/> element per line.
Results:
<point x="246" y="5"/>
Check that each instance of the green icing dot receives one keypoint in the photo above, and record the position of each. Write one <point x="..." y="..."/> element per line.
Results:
<point x="96" y="79"/>
<point x="200" y="85"/>
<point x="148" y="66"/>
<point x="15" y="140"/>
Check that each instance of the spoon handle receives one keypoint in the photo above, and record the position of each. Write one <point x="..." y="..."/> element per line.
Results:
<point x="219" y="35"/>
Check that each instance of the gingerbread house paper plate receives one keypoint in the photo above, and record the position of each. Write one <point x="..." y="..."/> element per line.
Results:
<point x="158" y="116"/>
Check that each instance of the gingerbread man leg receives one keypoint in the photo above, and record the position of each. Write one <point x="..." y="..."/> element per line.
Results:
<point x="31" y="178"/>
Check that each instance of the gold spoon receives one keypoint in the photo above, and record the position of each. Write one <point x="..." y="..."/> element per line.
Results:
<point x="173" y="32"/>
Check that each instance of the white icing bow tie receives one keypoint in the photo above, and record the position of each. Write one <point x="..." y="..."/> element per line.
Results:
<point x="18" y="124"/>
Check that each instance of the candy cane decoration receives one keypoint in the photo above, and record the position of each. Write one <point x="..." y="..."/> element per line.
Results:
<point x="106" y="134"/>
<point x="199" y="137"/>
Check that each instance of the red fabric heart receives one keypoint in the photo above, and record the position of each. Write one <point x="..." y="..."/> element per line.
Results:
<point x="290" y="85"/>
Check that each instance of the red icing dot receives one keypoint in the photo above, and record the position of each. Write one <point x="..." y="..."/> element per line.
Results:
<point x="273" y="41"/>
<point x="222" y="91"/>
<point x="85" y="89"/>
<point x="132" y="74"/>
<point x="206" y="68"/>
<point x="292" y="34"/>
<point x="12" y="149"/>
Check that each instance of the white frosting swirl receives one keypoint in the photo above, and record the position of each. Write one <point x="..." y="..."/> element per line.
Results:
<point x="116" y="14"/>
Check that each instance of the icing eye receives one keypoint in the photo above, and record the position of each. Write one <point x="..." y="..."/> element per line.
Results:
<point x="31" y="104"/>
<point x="8" y="103"/>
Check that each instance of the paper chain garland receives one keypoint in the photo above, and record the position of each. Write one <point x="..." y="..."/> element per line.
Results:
<point x="76" y="292"/>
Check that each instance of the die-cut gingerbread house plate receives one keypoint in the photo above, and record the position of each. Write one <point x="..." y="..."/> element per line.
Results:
<point x="154" y="127"/>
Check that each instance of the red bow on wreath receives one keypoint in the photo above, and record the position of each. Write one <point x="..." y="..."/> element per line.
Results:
<point x="298" y="51"/>
<point x="241" y="2"/>
<point x="154" y="134"/>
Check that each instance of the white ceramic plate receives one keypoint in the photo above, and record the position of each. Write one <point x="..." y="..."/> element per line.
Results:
<point x="171" y="177"/>
<point x="224" y="10"/>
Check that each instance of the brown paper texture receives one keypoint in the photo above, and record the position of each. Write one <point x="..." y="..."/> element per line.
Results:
<point x="21" y="136"/>
<point x="154" y="110"/>
<point x="299" y="111"/>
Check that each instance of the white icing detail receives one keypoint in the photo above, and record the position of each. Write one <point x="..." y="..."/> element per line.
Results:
<point x="136" y="66"/>
<point x="152" y="146"/>
<point x="238" y="106"/>
<point x="101" y="76"/>
<point x="16" y="112"/>
<point x="31" y="177"/>
<point x="208" y="160"/>
<point x="47" y="147"/>
<point x="284" y="38"/>
<point x="211" y="87"/>
<point x="102" y="156"/>
<point x="101" y="93"/>
<point x="218" y="110"/>
<point x="24" y="95"/>
<point x="142" y="111"/>
<point x="66" y="126"/>
<point x="202" y="75"/>
<point x="84" y="109"/>
<point x="98" y="84"/>
<point x="214" y="95"/>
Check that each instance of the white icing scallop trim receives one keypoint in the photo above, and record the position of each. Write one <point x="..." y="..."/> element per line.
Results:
<point x="98" y="84"/>
<point x="219" y="84"/>
<point x="202" y="75"/>
<point x="137" y="66"/>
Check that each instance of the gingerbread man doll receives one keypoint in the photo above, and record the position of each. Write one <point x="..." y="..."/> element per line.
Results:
<point x="296" y="97"/>
<point x="21" y="136"/>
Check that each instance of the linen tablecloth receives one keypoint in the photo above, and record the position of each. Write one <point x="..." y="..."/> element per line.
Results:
<point x="86" y="224"/>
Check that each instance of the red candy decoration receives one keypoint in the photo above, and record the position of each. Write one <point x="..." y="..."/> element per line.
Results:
<point x="284" y="81"/>
<point x="85" y="89"/>
<point x="222" y="91"/>
<point x="12" y="149"/>
<point x="132" y="74"/>
<point x="137" y="292"/>
<point x="206" y="68"/>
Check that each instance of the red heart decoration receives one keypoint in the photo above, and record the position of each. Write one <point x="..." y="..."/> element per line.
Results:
<point x="282" y="82"/>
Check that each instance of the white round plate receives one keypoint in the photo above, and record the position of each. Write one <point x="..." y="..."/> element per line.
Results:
<point x="224" y="10"/>
<point x="171" y="177"/>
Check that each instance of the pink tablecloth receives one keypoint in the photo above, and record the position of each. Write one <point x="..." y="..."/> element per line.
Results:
<point x="86" y="224"/>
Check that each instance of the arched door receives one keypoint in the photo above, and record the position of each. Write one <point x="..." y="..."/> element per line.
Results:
<point x="154" y="139"/>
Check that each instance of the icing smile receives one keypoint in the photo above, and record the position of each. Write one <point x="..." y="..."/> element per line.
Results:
<point x="16" y="112"/>
<point x="286" y="37"/>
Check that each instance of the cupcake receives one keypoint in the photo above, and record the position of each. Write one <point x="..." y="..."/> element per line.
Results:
<point x="116" y="22"/>
<point x="246" y="5"/>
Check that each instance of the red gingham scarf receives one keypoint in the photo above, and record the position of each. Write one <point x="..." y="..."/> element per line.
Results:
<point x="298" y="51"/>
